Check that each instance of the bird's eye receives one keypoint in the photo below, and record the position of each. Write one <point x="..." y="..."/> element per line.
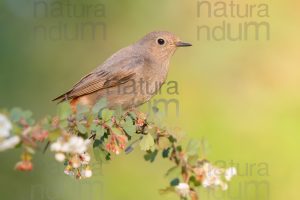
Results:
<point x="161" y="41"/>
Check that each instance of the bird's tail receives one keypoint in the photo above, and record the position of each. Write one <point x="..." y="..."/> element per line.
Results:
<point x="65" y="97"/>
<point x="62" y="98"/>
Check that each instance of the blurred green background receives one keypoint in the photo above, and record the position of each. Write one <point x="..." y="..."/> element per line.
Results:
<point x="241" y="96"/>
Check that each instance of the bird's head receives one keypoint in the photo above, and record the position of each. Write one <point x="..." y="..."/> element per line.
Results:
<point x="161" y="44"/>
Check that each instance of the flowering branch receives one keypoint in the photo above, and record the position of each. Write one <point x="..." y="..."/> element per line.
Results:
<point x="72" y="135"/>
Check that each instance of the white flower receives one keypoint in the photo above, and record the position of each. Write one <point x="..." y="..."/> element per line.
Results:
<point x="75" y="161"/>
<point x="87" y="173"/>
<point x="183" y="189"/>
<point x="69" y="172"/>
<point x="86" y="158"/>
<point x="214" y="176"/>
<point x="56" y="146"/>
<point x="60" y="157"/>
<point x="5" y="126"/>
<point x="229" y="173"/>
<point x="9" y="143"/>
<point x="74" y="145"/>
<point x="211" y="175"/>
<point x="78" y="144"/>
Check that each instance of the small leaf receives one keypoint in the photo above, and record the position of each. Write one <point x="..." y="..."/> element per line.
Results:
<point x="129" y="149"/>
<point x="173" y="172"/>
<point x="99" y="131"/>
<point x="192" y="160"/>
<point x="172" y="139"/>
<point x="193" y="147"/>
<point x="150" y="156"/>
<point x="98" y="154"/>
<point x="82" y="109"/>
<point x="147" y="142"/>
<point x="106" y="114"/>
<point x="163" y="143"/>
<point x="179" y="148"/>
<point x="102" y="103"/>
<point x="167" y="190"/>
<point x="194" y="181"/>
<point x="96" y="143"/>
<point x="81" y="128"/>
<point x="27" y="114"/>
<point x="64" y="110"/>
<point x="165" y="153"/>
<point x="129" y="127"/>
<point x="107" y="157"/>
<point x="64" y="123"/>
<point x="101" y="155"/>
<point x="132" y="115"/>
<point x="174" y="182"/>
<point x="118" y="112"/>
<point x="54" y="135"/>
<point x="116" y="131"/>
<point x="15" y="114"/>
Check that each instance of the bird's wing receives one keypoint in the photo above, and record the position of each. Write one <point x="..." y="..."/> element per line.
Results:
<point x="123" y="71"/>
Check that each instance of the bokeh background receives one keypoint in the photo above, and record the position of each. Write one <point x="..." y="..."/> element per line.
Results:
<point x="242" y="97"/>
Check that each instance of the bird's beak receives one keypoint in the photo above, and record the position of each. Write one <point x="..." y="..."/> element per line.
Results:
<point x="183" y="44"/>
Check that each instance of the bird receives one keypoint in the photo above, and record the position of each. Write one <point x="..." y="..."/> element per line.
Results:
<point x="130" y="77"/>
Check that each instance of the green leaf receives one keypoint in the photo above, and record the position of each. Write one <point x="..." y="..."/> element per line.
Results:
<point x="192" y="160"/>
<point x="167" y="190"/>
<point x="116" y="131"/>
<point x="81" y="128"/>
<point x="165" y="153"/>
<point x="132" y="115"/>
<point x="27" y="114"/>
<point x="106" y="114"/>
<point x="172" y="139"/>
<point x="15" y="114"/>
<point x="102" y="103"/>
<point x="101" y="155"/>
<point x="64" y="110"/>
<point x="150" y="156"/>
<point x="194" y="181"/>
<point x="82" y="109"/>
<point x="54" y="135"/>
<point x="118" y="112"/>
<point x="193" y="147"/>
<point x="163" y="143"/>
<point x="30" y="121"/>
<point x="173" y="172"/>
<point x="96" y="143"/>
<point x="174" y="182"/>
<point x="99" y="131"/>
<point x="17" y="130"/>
<point x="129" y="127"/>
<point x="98" y="154"/>
<point x="64" y="123"/>
<point x="147" y="142"/>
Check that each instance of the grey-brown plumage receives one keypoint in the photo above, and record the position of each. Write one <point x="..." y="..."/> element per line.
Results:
<point x="131" y="76"/>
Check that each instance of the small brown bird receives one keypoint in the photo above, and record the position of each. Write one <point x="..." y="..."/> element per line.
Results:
<point x="131" y="76"/>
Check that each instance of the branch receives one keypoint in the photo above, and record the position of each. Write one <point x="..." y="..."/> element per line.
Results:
<point x="73" y="135"/>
